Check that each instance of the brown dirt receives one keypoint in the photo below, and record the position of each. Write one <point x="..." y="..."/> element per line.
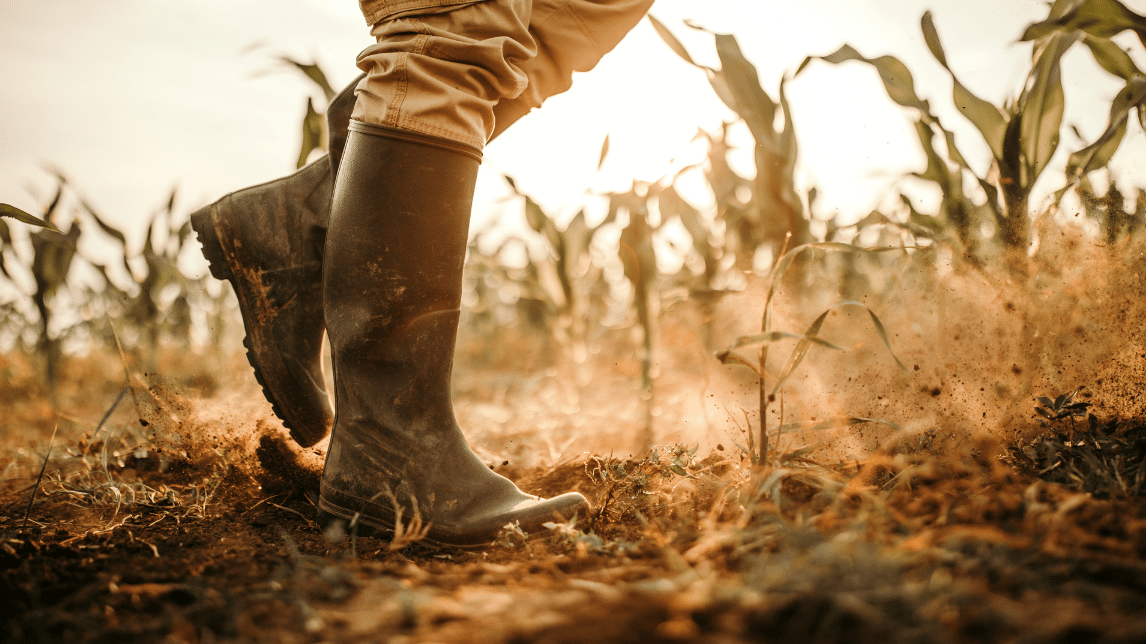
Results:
<point x="919" y="544"/>
<point x="200" y="526"/>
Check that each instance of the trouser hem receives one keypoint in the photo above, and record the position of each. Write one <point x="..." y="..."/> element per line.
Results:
<point x="410" y="136"/>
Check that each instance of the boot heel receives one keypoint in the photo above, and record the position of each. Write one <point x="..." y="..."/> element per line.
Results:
<point x="204" y="226"/>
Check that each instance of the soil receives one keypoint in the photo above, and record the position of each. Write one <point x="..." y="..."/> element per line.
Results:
<point x="189" y="515"/>
<point x="921" y="543"/>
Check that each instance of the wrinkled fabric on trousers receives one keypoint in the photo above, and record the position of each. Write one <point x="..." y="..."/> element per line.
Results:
<point x="453" y="69"/>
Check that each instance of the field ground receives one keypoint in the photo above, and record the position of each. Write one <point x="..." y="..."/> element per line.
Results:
<point x="187" y="516"/>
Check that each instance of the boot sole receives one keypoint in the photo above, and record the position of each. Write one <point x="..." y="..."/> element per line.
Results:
<point x="203" y="223"/>
<point x="366" y="526"/>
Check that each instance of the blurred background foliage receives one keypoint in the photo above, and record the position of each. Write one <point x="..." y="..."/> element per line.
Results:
<point x="572" y="283"/>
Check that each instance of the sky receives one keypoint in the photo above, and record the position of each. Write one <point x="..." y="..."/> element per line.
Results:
<point x="130" y="98"/>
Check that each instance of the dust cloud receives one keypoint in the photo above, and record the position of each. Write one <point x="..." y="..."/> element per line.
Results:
<point x="978" y="345"/>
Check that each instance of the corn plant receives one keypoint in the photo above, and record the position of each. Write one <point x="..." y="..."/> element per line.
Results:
<point x="640" y="261"/>
<point x="775" y="210"/>
<point x="1023" y="134"/>
<point x="567" y="273"/>
<point x="314" y="131"/>
<point x="143" y="295"/>
<point x="52" y="257"/>
<point x="1094" y="23"/>
<point x="804" y="343"/>
<point x="53" y="254"/>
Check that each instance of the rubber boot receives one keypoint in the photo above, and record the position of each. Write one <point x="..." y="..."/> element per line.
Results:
<point x="392" y="290"/>
<point x="267" y="241"/>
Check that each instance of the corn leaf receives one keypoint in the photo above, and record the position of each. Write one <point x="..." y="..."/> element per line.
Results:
<point x="12" y="212"/>
<point x="1111" y="57"/>
<point x="311" y="133"/>
<point x="753" y="103"/>
<point x="107" y="228"/>
<point x="1099" y="18"/>
<point x="805" y="344"/>
<point x="731" y="357"/>
<point x="785" y="263"/>
<point x="671" y="40"/>
<point x="937" y="169"/>
<point x="799" y="454"/>
<point x="1098" y="154"/>
<point x="1042" y="105"/>
<point x="776" y="336"/>
<point x="988" y="119"/>
<point x="896" y="77"/>
<point x="834" y="423"/>
<point x="723" y="90"/>
<point x="314" y="73"/>
<point x="540" y="222"/>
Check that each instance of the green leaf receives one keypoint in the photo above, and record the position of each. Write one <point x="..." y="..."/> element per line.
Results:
<point x="896" y="77"/>
<point x="785" y="263"/>
<point x="1111" y="57"/>
<point x="314" y="73"/>
<point x="1099" y="18"/>
<point x="1042" y="104"/>
<point x="720" y="86"/>
<point x="988" y="119"/>
<point x="937" y="169"/>
<point x="312" y="123"/>
<point x="752" y="103"/>
<point x="671" y="40"/>
<point x="1098" y="154"/>
<point x="805" y="344"/>
<point x="800" y="351"/>
<point x="107" y="228"/>
<point x="776" y="336"/>
<point x="12" y="212"/>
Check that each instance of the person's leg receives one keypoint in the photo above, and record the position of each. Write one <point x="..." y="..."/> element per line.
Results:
<point x="267" y="241"/>
<point x="570" y="36"/>
<point x="392" y="279"/>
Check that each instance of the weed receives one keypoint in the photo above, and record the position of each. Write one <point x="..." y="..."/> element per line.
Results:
<point x="1061" y="408"/>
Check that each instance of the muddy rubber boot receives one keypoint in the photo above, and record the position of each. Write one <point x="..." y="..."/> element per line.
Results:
<point x="267" y="241"/>
<point x="392" y="286"/>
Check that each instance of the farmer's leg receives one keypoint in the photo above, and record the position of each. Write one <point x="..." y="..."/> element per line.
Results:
<point x="571" y="36"/>
<point x="272" y="234"/>
<point x="392" y="276"/>
<point x="267" y="241"/>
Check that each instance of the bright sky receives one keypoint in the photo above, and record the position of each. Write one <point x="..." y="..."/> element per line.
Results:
<point x="132" y="97"/>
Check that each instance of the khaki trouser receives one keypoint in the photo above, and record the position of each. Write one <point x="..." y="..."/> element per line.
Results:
<point x="464" y="69"/>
